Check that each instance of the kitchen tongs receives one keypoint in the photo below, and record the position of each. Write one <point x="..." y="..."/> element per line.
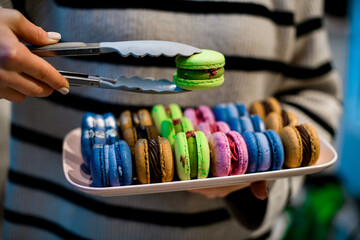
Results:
<point x="140" y="48"/>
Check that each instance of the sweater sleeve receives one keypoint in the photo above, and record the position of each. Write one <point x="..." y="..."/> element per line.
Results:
<point x="312" y="90"/>
<point x="313" y="94"/>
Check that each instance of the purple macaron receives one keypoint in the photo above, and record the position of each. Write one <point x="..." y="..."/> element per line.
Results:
<point x="229" y="154"/>
<point x="201" y="114"/>
<point x="209" y="129"/>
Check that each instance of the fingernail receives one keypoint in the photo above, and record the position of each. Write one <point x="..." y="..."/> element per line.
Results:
<point x="54" y="35"/>
<point x="63" y="90"/>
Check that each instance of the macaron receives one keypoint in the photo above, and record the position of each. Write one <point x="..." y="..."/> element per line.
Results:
<point x="128" y="119"/>
<point x="277" y="121"/>
<point x="301" y="145"/>
<point x="111" y="128"/>
<point x="192" y="155"/>
<point x="277" y="150"/>
<point x="132" y="134"/>
<point x="257" y="122"/>
<point x="88" y="121"/>
<point x="251" y="123"/>
<point x="265" y="151"/>
<point x="161" y="112"/>
<point x="263" y="108"/>
<point x="99" y="123"/>
<point x="169" y="128"/>
<point x="111" y="165"/>
<point x="228" y="154"/>
<point x="200" y="71"/>
<point x="120" y="164"/>
<point x="154" y="160"/>
<point x="200" y="114"/>
<point x="208" y="128"/>
<point x="226" y="111"/>
<point x="93" y="131"/>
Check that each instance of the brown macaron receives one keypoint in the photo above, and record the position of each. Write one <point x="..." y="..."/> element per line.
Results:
<point x="277" y="121"/>
<point x="132" y="134"/>
<point x="301" y="145"/>
<point x="128" y="119"/>
<point x="154" y="160"/>
<point x="263" y="108"/>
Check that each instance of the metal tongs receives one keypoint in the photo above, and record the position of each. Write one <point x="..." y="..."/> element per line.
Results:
<point x="137" y="49"/>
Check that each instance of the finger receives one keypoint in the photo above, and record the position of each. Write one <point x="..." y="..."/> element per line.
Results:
<point x="259" y="189"/>
<point x="39" y="69"/>
<point x="24" y="84"/>
<point x="11" y="95"/>
<point x="28" y="31"/>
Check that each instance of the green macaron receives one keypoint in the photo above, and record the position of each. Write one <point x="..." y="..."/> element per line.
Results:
<point x="192" y="155"/>
<point x="161" y="112"/>
<point x="170" y="127"/>
<point x="200" y="71"/>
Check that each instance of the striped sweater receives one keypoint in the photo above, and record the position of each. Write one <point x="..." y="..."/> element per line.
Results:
<point x="272" y="48"/>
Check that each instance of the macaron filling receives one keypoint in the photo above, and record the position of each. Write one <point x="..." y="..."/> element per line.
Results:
<point x="192" y="149"/>
<point x="177" y="125"/>
<point x="214" y="128"/>
<point x="233" y="153"/>
<point x="201" y="74"/>
<point x="267" y="107"/>
<point x="306" y="143"/>
<point x="167" y="111"/>
<point x="199" y="115"/>
<point x="154" y="161"/>
<point x="285" y="118"/>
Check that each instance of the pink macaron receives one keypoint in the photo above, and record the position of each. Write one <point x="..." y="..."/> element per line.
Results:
<point x="228" y="154"/>
<point x="201" y="114"/>
<point x="208" y="128"/>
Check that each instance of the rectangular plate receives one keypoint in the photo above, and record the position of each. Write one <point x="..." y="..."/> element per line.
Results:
<point x="73" y="161"/>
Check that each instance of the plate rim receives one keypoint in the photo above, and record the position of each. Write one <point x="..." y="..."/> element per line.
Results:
<point x="139" y="189"/>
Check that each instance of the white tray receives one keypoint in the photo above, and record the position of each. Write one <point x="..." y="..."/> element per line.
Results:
<point x="72" y="161"/>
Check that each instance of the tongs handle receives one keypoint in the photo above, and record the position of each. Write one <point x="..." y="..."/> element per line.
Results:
<point x="82" y="79"/>
<point x="66" y="49"/>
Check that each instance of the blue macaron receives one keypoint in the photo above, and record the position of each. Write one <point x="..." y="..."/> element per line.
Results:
<point x="97" y="129"/>
<point x="120" y="171"/>
<point x="225" y="111"/>
<point x="252" y="123"/>
<point x="87" y="142"/>
<point x="111" y="165"/>
<point x="277" y="149"/>
<point x="88" y="121"/>
<point x="257" y="122"/>
<point x="242" y="109"/>
<point x="265" y="149"/>
<point x="110" y="121"/>
<point x="259" y="151"/>
<point x="100" y="165"/>
<point x="99" y="123"/>
<point x="241" y="124"/>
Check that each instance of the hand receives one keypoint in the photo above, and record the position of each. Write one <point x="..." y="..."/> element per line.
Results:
<point x="21" y="72"/>
<point x="259" y="189"/>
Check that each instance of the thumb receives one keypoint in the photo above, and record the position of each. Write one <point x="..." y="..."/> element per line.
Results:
<point x="29" y="32"/>
<point x="259" y="189"/>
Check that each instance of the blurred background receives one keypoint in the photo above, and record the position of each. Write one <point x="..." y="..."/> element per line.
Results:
<point x="328" y="207"/>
